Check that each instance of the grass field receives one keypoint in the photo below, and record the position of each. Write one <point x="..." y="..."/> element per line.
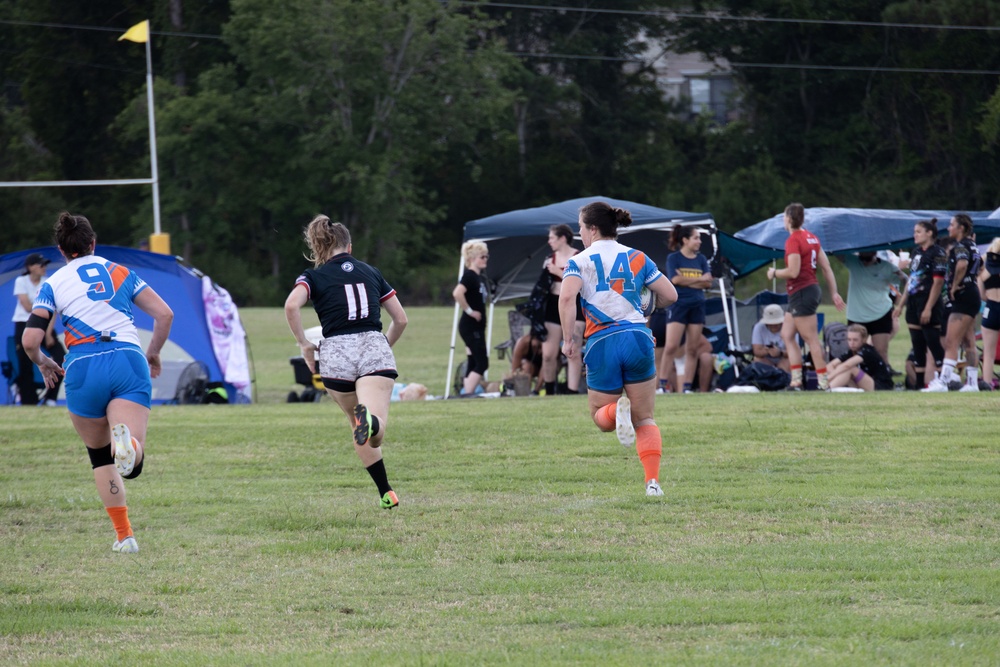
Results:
<point x="797" y="529"/>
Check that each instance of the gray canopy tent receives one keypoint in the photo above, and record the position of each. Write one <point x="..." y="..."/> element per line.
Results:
<point x="518" y="244"/>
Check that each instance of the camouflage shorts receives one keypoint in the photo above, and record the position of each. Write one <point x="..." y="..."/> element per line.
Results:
<point x="344" y="359"/>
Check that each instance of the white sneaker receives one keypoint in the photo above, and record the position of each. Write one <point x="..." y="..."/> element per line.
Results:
<point x="970" y="387"/>
<point x="126" y="546"/>
<point x="936" y="385"/>
<point x="124" y="449"/>
<point x="653" y="489"/>
<point x="623" y="422"/>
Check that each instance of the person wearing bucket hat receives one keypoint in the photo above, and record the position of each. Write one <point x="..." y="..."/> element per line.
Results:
<point x="26" y="288"/>
<point x="768" y="345"/>
<point x="989" y="287"/>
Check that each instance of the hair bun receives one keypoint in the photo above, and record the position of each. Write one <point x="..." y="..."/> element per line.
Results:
<point x="622" y="217"/>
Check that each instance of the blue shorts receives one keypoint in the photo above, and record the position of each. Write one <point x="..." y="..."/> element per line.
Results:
<point x="692" y="312"/>
<point x="618" y="359"/>
<point x="102" y="372"/>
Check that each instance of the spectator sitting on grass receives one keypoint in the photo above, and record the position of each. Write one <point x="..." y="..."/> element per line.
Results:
<point x="862" y="366"/>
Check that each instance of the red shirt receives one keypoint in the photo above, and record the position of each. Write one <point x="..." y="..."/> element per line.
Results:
<point x="806" y="245"/>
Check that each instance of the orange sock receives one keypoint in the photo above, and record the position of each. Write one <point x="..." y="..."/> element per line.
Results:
<point x="821" y="371"/>
<point x="119" y="517"/>
<point x="605" y="417"/>
<point x="649" y="446"/>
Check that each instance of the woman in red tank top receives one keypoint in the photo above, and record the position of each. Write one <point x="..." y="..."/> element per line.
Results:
<point x="802" y="255"/>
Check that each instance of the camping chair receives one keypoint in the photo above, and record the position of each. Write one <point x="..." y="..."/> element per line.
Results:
<point x="519" y="325"/>
<point x="12" y="368"/>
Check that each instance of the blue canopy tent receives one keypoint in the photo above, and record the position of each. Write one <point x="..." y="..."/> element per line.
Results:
<point x="843" y="230"/>
<point x="179" y="284"/>
<point x="518" y="243"/>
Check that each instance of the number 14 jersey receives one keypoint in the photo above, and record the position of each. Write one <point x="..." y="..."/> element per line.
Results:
<point x="613" y="276"/>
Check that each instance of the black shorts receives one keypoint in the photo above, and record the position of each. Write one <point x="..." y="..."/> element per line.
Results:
<point x="915" y="306"/>
<point x="552" y="309"/>
<point x="805" y="302"/>
<point x="991" y="315"/>
<point x="658" y="326"/>
<point x="967" y="301"/>
<point x="882" y="325"/>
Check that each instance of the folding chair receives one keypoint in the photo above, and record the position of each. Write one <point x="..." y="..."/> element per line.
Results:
<point x="519" y="325"/>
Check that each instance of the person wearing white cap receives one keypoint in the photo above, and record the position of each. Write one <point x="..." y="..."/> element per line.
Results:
<point x="768" y="345"/>
<point x="26" y="288"/>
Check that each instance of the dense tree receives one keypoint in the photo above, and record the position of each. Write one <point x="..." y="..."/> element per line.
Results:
<point x="863" y="138"/>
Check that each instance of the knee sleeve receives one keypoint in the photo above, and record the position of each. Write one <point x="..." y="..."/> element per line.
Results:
<point x="101" y="457"/>
<point x="136" y="471"/>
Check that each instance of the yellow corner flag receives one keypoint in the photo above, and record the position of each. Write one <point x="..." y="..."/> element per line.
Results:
<point x="137" y="33"/>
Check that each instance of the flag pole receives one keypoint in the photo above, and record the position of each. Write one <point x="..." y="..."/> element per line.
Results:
<point x="152" y="139"/>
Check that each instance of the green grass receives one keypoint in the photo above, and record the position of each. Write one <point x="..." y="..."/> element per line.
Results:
<point x="804" y="529"/>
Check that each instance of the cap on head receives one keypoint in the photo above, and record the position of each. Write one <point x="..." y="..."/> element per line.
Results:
<point x="35" y="258"/>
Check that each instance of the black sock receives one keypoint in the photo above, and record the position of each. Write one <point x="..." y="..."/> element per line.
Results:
<point x="377" y="471"/>
<point x="550" y="388"/>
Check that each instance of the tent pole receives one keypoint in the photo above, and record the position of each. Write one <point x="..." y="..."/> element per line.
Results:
<point x="725" y="301"/>
<point x="454" y="332"/>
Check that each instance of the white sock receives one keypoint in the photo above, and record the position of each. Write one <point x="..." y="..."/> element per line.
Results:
<point x="972" y="377"/>
<point x="947" y="370"/>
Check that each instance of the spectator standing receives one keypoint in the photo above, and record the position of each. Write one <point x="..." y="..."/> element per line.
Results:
<point x="690" y="274"/>
<point x="471" y="296"/>
<point x="618" y="348"/>
<point x="922" y="299"/>
<point x="803" y="255"/>
<point x="964" y="301"/>
<point x="26" y="287"/>
<point x="989" y="288"/>
<point x="869" y="297"/>
<point x="561" y="243"/>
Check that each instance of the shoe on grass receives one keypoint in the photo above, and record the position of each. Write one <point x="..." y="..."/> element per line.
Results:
<point x="389" y="500"/>
<point x="126" y="546"/>
<point x="653" y="489"/>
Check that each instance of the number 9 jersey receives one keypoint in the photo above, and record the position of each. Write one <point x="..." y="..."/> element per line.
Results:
<point x="94" y="296"/>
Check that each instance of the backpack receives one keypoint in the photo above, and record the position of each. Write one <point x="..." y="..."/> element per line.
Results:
<point x="835" y="339"/>
<point x="764" y="376"/>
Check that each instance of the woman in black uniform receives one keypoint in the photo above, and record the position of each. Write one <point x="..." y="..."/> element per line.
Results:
<point x="964" y="302"/>
<point x="922" y="298"/>
<point x="471" y="296"/>
<point x="561" y="243"/>
<point x="989" y="288"/>
<point x="355" y="357"/>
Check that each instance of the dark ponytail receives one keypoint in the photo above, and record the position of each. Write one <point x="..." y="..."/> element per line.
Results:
<point x="606" y="218"/>
<point x="74" y="235"/>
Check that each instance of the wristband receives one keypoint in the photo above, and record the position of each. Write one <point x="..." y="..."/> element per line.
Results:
<point x="469" y="311"/>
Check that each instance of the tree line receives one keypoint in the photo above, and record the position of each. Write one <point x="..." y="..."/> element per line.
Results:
<point x="407" y="118"/>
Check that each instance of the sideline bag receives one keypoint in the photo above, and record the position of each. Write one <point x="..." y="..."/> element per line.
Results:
<point x="764" y="376"/>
